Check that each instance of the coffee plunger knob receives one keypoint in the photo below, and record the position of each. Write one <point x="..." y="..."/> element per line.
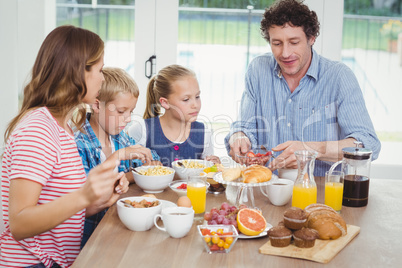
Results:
<point x="359" y="144"/>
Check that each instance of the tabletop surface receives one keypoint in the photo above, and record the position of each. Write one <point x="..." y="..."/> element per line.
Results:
<point x="377" y="245"/>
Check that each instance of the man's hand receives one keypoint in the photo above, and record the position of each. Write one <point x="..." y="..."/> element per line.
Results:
<point x="239" y="144"/>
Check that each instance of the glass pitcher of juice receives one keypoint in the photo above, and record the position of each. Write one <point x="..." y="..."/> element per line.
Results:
<point x="305" y="188"/>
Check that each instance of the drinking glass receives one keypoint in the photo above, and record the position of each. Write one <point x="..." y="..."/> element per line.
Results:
<point x="197" y="192"/>
<point x="334" y="189"/>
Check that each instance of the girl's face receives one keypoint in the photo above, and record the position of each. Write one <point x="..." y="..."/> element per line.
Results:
<point x="184" y="103"/>
<point x="116" y="114"/>
<point x="93" y="80"/>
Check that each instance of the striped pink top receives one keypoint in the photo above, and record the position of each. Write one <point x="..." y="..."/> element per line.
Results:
<point x="41" y="151"/>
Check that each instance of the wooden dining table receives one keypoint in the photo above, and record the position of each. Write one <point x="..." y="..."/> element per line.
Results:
<point x="377" y="245"/>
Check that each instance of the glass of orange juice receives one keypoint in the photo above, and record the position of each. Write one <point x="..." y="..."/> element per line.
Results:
<point x="197" y="192"/>
<point x="334" y="189"/>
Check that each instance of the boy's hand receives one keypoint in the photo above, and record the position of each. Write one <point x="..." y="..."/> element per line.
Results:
<point x="153" y="163"/>
<point x="133" y="152"/>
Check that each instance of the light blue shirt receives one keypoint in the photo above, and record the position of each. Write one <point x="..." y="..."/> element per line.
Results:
<point x="328" y="105"/>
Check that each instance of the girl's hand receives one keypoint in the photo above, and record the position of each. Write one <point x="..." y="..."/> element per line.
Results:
<point x="213" y="158"/>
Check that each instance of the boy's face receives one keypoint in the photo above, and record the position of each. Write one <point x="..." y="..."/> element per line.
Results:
<point x="116" y="114"/>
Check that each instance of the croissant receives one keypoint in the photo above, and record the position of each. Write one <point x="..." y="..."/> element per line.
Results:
<point x="256" y="174"/>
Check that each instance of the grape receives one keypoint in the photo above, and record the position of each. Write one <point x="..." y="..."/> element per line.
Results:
<point x="212" y="222"/>
<point x="222" y="212"/>
<point x="214" y="209"/>
<point x="214" y="215"/>
<point x="225" y="206"/>
<point x="233" y="208"/>
<point x="207" y="216"/>
<point x="220" y="219"/>
<point x="226" y="221"/>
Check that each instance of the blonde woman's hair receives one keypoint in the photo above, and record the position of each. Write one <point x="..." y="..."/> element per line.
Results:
<point x="116" y="81"/>
<point x="160" y="85"/>
<point x="58" y="75"/>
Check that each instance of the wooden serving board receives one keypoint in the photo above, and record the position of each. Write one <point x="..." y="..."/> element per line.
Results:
<point x="323" y="250"/>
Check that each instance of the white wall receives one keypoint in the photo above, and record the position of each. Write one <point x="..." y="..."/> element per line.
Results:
<point x="330" y="15"/>
<point x="23" y="26"/>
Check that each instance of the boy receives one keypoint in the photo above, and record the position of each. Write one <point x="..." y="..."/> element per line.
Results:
<point x="102" y="133"/>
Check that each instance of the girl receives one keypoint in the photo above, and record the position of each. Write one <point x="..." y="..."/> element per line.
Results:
<point x="174" y="134"/>
<point x="45" y="192"/>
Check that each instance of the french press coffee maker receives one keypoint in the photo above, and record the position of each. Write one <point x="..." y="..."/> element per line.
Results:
<point x="356" y="164"/>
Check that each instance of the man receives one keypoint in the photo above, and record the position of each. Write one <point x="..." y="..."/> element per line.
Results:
<point x="297" y="100"/>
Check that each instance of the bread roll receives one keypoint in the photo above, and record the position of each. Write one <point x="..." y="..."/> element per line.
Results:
<point x="230" y="174"/>
<point x="328" y="223"/>
<point x="314" y="207"/>
<point x="256" y="174"/>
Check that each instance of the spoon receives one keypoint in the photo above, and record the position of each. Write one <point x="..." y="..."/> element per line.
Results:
<point x="181" y="164"/>
<point x="126" y="204"/>
<point x="133" y="169"/>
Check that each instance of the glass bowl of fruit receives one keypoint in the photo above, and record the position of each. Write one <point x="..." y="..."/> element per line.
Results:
<point x="255" y="157"/>
<point x="218" y="238"/>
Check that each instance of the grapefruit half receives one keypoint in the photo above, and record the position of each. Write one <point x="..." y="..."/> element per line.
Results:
<point x="250" y="221"/>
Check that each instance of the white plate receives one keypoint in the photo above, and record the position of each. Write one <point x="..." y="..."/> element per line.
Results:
<point x="166" y="204"/>
<point x="264" y="233"/>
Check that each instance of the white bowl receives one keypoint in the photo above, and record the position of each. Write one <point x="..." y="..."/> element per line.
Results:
<point x="152" y="184"/>
<point x="183" y="172"/>
<point x="174" y="184"/>
<point x="138" y="219"/>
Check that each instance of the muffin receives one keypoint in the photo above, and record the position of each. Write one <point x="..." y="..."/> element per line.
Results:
<point x="305" y="237"/>
<point x="280" y="236"/>
<point x="294" y="218"/>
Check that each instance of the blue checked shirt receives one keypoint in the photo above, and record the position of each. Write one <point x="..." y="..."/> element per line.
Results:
<point x="90" y="150"/>
<point x="328" y="105"/>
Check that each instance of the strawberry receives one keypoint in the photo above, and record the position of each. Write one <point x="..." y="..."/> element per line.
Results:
<point x="250" y="154"/>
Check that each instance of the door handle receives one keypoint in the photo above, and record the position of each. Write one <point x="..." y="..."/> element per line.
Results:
<point x="150" y="66"/>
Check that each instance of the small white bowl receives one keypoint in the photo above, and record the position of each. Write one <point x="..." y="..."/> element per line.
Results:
<point x="180" y="192"/>
<point x="152" y="184"/>
<point x="183" y="173"/>
<point x="138" y="219"/>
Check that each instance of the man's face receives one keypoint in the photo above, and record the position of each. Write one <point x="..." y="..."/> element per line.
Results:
<point x="291" y="50"/>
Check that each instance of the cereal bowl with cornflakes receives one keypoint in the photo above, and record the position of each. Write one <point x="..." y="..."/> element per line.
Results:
<point x="187" y="167"/>
<point x="153" y="179"/>
<point x="137" y="212"/>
